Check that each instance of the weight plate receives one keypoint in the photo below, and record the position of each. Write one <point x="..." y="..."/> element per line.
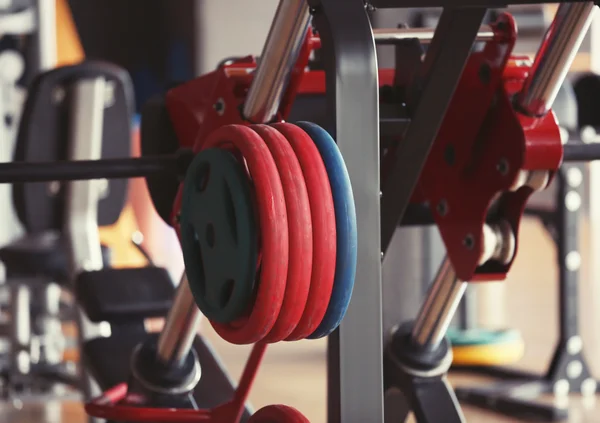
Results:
<point x="278" y="414"/>
<point x="485" y="348"/>
<point x="323" y="226"/>
<point x="346" y="231"/>
<point x="274" y="242"/>
<point x="299" y="229"/>
<point x="458" y="337"/>
<point x="218" y="233"/>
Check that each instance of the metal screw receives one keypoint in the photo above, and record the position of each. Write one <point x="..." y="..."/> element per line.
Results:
<point x="573" y="261"/>
<point x="485" y="73"/>
<point x="572" y="201"/>
<point x="442" y="208"/>
<point x="58" y="95"/>
<point x="469" y="242"/>
<point x="219" y="107"/>
<point x="574" y="345"/>
<point x="177" y="218"/>
<point x="502" y="166"/>
<point x="574" y="177"/>
<point x="380" y="194"/>
<point x="53" y="188"/>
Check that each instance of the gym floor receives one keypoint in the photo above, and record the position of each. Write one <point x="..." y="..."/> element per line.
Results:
<point x="294" y="373"/>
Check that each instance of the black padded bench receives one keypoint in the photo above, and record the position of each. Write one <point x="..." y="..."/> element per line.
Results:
<point x="121" y="296"/>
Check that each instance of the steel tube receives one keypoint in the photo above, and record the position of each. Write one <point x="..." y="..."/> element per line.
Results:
<point x="555" y="57"/>
<point x="278" y="57"/>
<point x="181" y="326"/>
<point x="439" y="307"/>
<point x="425" y="35"/>
<point x="81" y="170"/>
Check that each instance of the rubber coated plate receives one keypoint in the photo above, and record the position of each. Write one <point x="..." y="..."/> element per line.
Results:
<point x="278" y="414"/>
<point x="44" y="136"/>
<point x="346" y="231"/>
<point x="480" y="347"/>
<point x="274" y="243"/>
<point x="323" y="226"/>
<point x="218" y="235"/>
<point x="482" y="337"/>
<point x="299" y="229"/>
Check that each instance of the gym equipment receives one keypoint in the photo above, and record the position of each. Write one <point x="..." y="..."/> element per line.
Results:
<point x="218" y="236"/>
<point x="557" y="212"/>
<point x="325" y="244"/>
<point x="343" y="199"/>
<point x="462" y="95"/>
<point x="37" y="265"/>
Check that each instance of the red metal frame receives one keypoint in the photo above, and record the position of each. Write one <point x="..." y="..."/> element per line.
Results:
<point x="115" y="405"/>
<point x="484" y="129"/>
<point x="481" y="116"/>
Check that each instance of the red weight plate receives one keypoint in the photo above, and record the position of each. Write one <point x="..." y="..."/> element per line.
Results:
<point x="324" y="230"/>
<point x="300" y="232"/>
<point x="274" y="240"/>
<point x="278" y="414"/>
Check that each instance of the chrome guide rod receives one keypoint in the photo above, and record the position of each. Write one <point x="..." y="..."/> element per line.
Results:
<point x="425" y="35"/>
<point x="278" y="57"/>
<point x="555" y="57"/>
<point x="181" y="326"/>
<point x="439" y="307"/>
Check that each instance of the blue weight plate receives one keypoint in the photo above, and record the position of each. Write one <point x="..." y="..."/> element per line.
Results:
<point x="219" y="235"/>
<point x="346" y="231"/>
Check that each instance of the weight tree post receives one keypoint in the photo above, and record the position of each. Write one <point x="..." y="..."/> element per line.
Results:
<point x="355" y="355"/>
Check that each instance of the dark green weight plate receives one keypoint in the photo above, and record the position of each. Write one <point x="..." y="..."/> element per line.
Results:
<point x="219" y="235"/>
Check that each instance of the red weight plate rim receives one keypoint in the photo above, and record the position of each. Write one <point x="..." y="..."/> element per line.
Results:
<point x="278" y="414"/>
<point x="299" y="229"/>
<point x="323" y="227"/>
<point x="274" y="240"/>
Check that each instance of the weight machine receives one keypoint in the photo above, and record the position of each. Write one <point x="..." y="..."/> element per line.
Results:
<point x="468" y="88"/>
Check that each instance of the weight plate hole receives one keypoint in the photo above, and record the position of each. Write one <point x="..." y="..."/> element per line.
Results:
<point x="210" y="235"/>
<point x="199" y="269"/>
<point x="203" y="176"/>
<point x="227" y="292"/>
